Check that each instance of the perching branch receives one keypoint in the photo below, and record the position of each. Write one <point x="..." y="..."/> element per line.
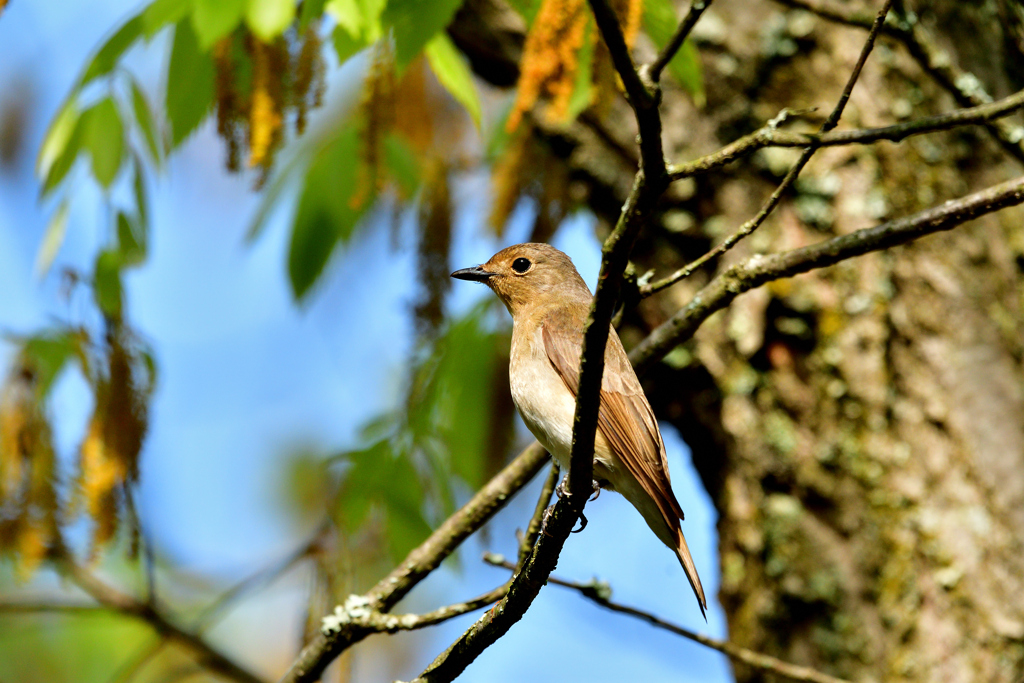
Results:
<point x="757" y="270"/>
<point x="697" y="8"/>
<point x="599" y="593"/>
<point x="649" y="183"/>
<point x="422" y="560"/>
<point x="122" y="603"/>
<point x="812" y="146"/>
<point x="964" y="86"/>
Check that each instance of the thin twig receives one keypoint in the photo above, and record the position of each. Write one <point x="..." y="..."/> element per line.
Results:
<point x="757" y="270"/>
<point x="25" y="607"/>
<point x="831" y="122"/>
<point x="637" y="91"/>
<point x="697" y="8"/>
<point x="265" y="576"/>
<point x="598" y="592"/>
<point x="355" y="614"/>
<point x="769" y="135"/>
<point x="529" y="539"/>
<point x="131" y="667"/>
<point x="964" y="86"/>
<point x="204" y="653"/>
<point x="643" y="94"/>
<point x="422" y="560"/>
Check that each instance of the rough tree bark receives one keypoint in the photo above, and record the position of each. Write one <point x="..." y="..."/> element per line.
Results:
<point x="861" y="428"/>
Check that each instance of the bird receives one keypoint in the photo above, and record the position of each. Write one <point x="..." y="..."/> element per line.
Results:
<point x="549" y="303"/>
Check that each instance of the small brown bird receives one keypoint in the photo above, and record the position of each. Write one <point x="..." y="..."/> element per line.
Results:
<point x="549" y="303"/>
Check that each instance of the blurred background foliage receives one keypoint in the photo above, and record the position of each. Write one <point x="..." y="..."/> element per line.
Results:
<point x="410" y="121"/>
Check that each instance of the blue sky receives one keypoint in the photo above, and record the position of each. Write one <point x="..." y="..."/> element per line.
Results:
<point x="246" y="375"/>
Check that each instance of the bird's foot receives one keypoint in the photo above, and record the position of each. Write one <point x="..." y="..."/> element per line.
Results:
<point x="562" y="490"/>
<point x="544" y="520"/>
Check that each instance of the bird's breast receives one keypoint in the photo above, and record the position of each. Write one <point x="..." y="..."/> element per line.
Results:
<point x="545" y="404"/>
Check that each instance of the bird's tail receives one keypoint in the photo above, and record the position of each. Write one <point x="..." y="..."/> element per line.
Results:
<point x="686" y="560"/>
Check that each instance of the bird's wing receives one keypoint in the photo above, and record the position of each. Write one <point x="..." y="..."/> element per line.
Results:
<point x="626" y="421"/>
<point x="625" y="417"/>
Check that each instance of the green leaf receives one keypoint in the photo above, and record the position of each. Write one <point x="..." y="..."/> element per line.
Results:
<point x="403" y="497"/>
<point x="686" y="68"/>
<point x="214" y="19"/>
<point x="660" y="22"/>
<point x="58" y="136"/>
<point x="327" y="212"/>
<point x="402" y="163"/>
<point x="453" y="72"/>
<point x="106" y="57"/>
<point x="283" y="176"/>
<point x="189" y="83"/>
<point x="348" y="14"/>
<point x="141" y="202"/>
<point x="345" y="45"/>
<point x="311" y="9"/>
<point x="106" y="284"/>
<point x="583" y="89"/>
<point x="131" y="241"/>
<point x="146" y="123"/>
<point x="498" y="137"/>
<point x="161" y="13"/>
<point x="48" y="354"/>
<point x="103" y="136"/>
<point x="416" y="22"/>
<point x="52" y="239"/>
<point x="379" y="476"/>
<point x="526" y="8"/>
<point x="269" y="18"/>
<point x="463" y="386"/>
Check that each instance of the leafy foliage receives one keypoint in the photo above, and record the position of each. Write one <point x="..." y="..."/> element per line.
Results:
<point x="326" y="212"/>
<point x="258" y="68"/>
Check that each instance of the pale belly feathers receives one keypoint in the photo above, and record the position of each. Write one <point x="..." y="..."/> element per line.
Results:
<point x="548" y="407"/>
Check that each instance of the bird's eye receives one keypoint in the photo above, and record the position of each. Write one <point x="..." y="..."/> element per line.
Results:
<point x="521" y="265"/>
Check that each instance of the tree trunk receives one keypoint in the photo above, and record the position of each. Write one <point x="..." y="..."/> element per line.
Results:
<point x="860" y="428"/>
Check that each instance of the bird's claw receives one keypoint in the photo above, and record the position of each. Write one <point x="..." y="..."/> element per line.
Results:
<point x="562" y="491"/>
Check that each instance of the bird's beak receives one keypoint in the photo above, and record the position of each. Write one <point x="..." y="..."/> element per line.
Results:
<point x="475" y="274"/>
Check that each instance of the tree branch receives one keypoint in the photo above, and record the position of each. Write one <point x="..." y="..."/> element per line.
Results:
<point x="600" y="593"/>
<point x="357" y="614"/>
<point x="812" y="146"/>
<point x="529" y="539"/>
<point x="640" y="94"/>
<point x="758" y="270"/>
<point x="26" y="607"/>
<point x="648" y="184"/>
<point x="769" y="135"/>
<point x="127" y="605"/>
<point x="964" y="86"/>
<point x="422" y="560"/>
<point x="643" y="93"/>
<point x="697" y="8"/>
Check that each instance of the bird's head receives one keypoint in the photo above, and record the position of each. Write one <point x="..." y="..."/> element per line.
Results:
<point x="525" y="275"/>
